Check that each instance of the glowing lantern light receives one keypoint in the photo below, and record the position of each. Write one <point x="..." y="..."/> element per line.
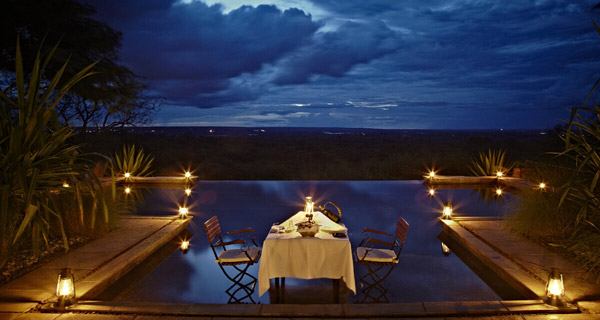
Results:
<point x="498" y="192"/>
<point x="65" y="287"/>
<point x="432" y="192"/>
<point x="65" y="185"/>
<point x="188" y="174"/>
<point x="127" y="174"/>
<point x="127" y="190"/>
<point x="445" y="250"/>
<point x="499" y="174"/>
<point x="447" y="211"/>
<point x="188" y="191"/>
<point x="183" y="212"/>
<point x="555" y="288"/>
<point x="185" y="246"/>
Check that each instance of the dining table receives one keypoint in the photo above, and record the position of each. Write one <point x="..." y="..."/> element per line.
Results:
<point x="286" y="253"/>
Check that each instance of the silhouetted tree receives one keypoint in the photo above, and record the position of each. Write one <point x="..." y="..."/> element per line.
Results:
<point x="107" y="99"/>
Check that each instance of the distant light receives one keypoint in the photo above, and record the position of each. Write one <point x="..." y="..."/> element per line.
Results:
<point x="499" y="174"/>
<point x="183" y="212"/>
<point x="127" y="174"/>
<point x="127" y="190"/>
<point x="499" y="192"/>
<point x="432" y="192"/>
<point x="65" y="185"/>
<point x="447" y="211"/>
<point x="188" y="191"/>
<point x="188" y="174"/>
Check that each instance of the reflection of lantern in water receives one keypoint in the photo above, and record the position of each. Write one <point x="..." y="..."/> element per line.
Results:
<point x="432" y="192"/>
<point x="188" y="191"/>
<point x="183" y="212"/>
<point x="445" y="250"/>
<point x="185" y="246"/>
<point x="555" y="288"/>
<point x="447" y="211"/>
<point x="65" y="287"/>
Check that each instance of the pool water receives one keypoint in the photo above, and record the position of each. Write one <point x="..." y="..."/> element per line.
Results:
<point x="423" y="273"/>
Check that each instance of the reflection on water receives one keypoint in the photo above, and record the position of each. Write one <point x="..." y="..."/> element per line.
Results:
<point x="423" y="273"/>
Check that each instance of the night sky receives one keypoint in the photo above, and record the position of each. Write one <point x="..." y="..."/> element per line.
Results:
<point x="412" y="64"/>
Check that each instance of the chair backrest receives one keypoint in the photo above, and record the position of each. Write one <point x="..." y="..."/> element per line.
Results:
<point x="401" y="229"/>
<point x="213" y="229"/>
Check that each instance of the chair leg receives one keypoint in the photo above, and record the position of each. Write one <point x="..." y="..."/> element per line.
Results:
<point x="374" y="290"/>
<point x="246" y="289"/>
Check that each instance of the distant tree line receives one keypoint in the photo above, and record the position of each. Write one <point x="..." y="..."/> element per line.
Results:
<point x="113" y="97"/>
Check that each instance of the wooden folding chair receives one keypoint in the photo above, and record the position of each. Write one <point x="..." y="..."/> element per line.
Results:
<point x="244" y="255"/>
<point x="379" y="261"/>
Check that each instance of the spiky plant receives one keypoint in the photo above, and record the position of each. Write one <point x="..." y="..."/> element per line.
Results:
<point x="35" y="158"/>
<point x="490" y="162"/>
<point x="132" y="160"/>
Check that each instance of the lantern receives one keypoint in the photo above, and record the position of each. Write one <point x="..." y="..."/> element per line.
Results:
<point x="555" y="288"/>
<point x="445" y="250"/>
<point x="447" y="211"/>
<point x="65" y="287"/>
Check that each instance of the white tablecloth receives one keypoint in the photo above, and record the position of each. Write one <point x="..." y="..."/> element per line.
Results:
<point x="291" y="255"/>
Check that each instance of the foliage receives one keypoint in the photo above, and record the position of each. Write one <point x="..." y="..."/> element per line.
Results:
<point x="114" y="97"/>
<point x="36" y="161"/>
<point x="491" y="162"/>
<point x="136" y="162"/>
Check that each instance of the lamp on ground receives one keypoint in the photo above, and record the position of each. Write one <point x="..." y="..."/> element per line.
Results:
<point x="447" y="211"/>
<point x="65" y="287"/>
<point x="183" y="212"/>
<point x="445" y="250"/>
<point x="555" y="288"/>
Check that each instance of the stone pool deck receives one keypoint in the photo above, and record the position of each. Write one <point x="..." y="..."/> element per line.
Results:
<point x="95" y="265"/>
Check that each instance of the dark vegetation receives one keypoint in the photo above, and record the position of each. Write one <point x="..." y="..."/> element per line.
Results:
<point x="380" y="155"/>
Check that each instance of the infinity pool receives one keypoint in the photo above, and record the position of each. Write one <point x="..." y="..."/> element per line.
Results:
<point x="423" y="273"/>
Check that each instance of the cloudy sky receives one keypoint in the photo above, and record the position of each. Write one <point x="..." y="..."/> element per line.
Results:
<point x="430" y="64"/>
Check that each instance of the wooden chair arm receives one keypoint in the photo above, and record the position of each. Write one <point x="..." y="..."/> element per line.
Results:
<point x="375" y="231"/>
<point x="381" y="242"/>
<point x="222" y="244"/>
<point x="240" y="231"/>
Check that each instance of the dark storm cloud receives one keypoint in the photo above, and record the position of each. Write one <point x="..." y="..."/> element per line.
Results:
<point x="335" y="53"/>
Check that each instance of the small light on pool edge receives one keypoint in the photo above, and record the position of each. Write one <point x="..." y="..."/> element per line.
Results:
<point x="447" y="211"/>
<point x="183" y="212"/>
